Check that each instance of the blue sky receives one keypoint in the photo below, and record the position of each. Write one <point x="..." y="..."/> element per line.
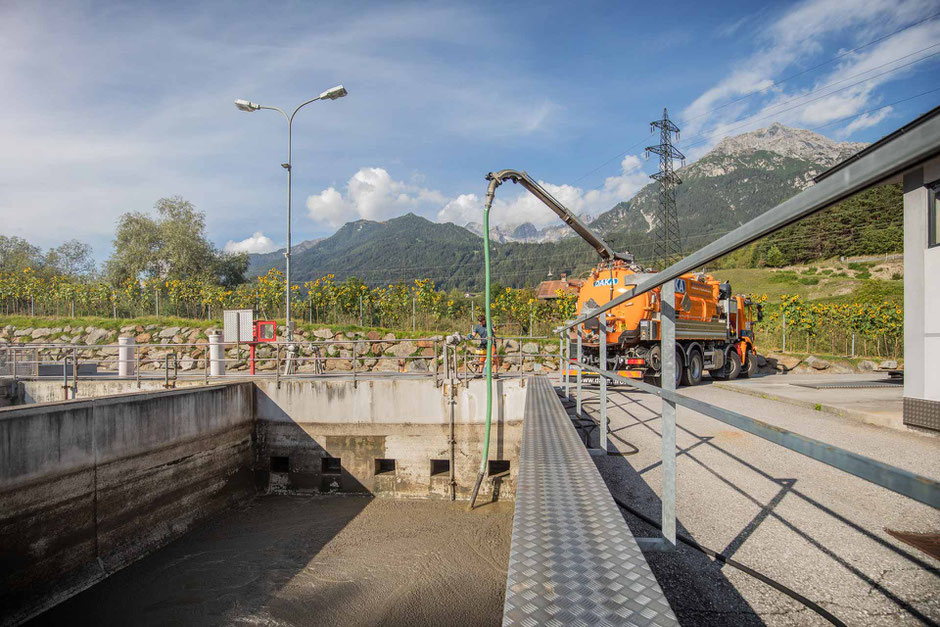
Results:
<point x="109" y="106"/>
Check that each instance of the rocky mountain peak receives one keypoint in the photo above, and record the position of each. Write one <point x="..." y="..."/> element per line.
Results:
<point x="791" y="142"/>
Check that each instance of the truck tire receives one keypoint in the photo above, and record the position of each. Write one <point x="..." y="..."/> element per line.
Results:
<point x="733" y="369"/>
<point x="692" y="373"/>
<point x="680" y="371"/>
<point x="750" y="365"/>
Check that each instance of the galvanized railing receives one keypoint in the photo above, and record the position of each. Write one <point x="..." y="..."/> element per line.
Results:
<point x="214" y="359"/>
<point x="913" y="146"/>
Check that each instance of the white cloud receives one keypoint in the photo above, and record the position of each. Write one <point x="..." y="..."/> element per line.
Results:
<point x="372" y="194"/>
<point x="257" y="243"/>
<point x="866" y="120"/>
<point x="795" y="40"/>
<point x="524" y="207"/>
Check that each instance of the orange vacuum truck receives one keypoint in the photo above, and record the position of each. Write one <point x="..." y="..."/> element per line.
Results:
<point x="714" y="327"/>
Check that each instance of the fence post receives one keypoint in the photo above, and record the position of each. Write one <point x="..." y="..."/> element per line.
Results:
<point x="580" y="357"/>
<point x="567" y="335"/>
<point x="784" y="348"/>
<point x="602" y="380"/>
<point x="126" y="362"/>
<point x="853" y="343"/>
<point x="668" y="384"/>
<point x="561" y="357"/>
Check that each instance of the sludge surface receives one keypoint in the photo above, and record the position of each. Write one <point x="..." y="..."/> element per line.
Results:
<point x="325" y="560"/>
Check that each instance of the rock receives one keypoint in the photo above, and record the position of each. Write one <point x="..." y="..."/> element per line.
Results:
<point x="425" y="344"/>
<point x="389" y="337"/>
<point x="143" y="338"/>
<point x="76" y="340"/>
<point x="97" y="335"/>
<point x="816" y="363"/>
<point x="866" y="365"/>
<point x="416" y="365"/>
<point x="150" y="327"/>
<point x="40" y="332"/>
<point x="369" y="364"/>
<point x="374" y="335"/>
<point x="530" y="348"/>
<point x="888" y="364"/>
<point x="387" y="365"/>
<point x="129" y="329"/>
<point x="840" y="367"/>
<point x="78" y="330"/>
<point x="168" y="332"/>
<point x="551" y="348"/>
<point x="323" y="334"/>
<point x="187" y="363"/>
<point x="338" y="364"/>
<point x="511" y="346"/>
<point x="403" y="349"/>
<point x="22" y="332"/>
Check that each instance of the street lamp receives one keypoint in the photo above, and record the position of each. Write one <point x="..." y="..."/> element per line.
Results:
<point x="246" y="105"/>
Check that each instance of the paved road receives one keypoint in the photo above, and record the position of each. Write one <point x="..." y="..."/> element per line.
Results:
<point x="811" y="527"/>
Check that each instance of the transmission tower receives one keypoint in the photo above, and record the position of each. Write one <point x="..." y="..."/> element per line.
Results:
<point x="666" y="222"/>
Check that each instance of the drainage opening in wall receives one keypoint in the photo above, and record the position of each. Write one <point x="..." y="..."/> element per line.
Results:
<point x="440" y="467"/>
<point x="331" y="465"/>
<point x="497" y="467"/>
<point x="384" y="466"/>
<point x="280" y="463"/>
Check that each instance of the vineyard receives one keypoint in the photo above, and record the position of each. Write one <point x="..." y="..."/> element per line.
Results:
<point x="865" y="329"/>
<point x="416" y="305"/>
<point x="871" y="329"/>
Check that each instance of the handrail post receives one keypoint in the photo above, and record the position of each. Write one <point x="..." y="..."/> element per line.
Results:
<point x="580" y="357"/>
<point x="137" y="361"/>
<point x="434" y="365"/>
<point x="355" y="362"/>
<point x="602" y="380"/>
<point x="668" y="383"/>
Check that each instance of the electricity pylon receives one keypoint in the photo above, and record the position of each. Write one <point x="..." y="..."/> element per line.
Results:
<point x="666" y="222"/>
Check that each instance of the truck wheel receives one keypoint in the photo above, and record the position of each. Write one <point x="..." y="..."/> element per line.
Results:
<point x="750" y="365"/>
<point x="692" y="373"/>
<point x="680" y="369"/>
<point x="733" y="369"/>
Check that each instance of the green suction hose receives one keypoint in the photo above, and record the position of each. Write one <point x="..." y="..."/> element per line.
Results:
<point x="491" y="191"/>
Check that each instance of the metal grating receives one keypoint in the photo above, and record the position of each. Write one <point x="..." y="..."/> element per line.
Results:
<point x="573" y="560"/>
<point x="852" y="385"/>
<point x="923" y="413"/>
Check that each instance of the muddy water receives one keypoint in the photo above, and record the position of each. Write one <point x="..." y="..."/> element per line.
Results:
<point x="315" y="561"/>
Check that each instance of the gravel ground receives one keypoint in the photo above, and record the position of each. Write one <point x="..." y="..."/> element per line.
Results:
<point x="315" y="561"/>
<point x="813" y="528"/>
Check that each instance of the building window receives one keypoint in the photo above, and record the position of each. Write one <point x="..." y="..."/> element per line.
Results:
<point x="933" y="216"/>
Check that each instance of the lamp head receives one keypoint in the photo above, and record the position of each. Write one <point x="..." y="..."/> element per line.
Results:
<point x="333" y="93"/>
<point x="246" y="105"/>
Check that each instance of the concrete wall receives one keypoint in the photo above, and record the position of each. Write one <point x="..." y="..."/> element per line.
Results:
<point x="402" y="419"/>
<point x="88" y="486"/>
<point x="51" y="390"/>
<point x="921" y="302"/>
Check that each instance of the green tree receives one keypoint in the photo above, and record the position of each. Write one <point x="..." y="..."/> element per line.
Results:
<point x="775" y="258"/>
<point x="73" y="259"/>
<point x="16" y="254"/>
<point x="171" y="246"/>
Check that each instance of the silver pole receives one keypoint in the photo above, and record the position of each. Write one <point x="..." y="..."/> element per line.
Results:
<point x="784" y="349"/>
<point x="668" y="383"/>
<point x="567" y="335"/>
<point x="580" y="357"/>
<point x="602" y="365"/>
<point x="561" y="358"/>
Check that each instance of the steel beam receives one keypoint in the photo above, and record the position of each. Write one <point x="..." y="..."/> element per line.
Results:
<point x="915" y="146"/>
<point x="580" y="370"/>
<point x="602" y="380"/>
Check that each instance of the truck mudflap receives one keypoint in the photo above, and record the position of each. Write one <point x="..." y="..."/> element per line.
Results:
<point x="592" y="377"/>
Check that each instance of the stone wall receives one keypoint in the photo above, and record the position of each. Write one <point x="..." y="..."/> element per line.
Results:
<point x="89" y="486"/>
<point x="321" y="350"/>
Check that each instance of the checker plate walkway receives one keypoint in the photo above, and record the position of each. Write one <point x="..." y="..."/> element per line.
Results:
<point x="573" y="560"/>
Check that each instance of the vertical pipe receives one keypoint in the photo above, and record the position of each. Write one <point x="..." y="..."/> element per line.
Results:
<point x="567" y="364"/>
<point x="784" y="348"/>
<point x="602" y="365"/>
<point x="668" y="383"/>
<point x="137" y="369"/>
<point x="561" y="357"/>
<point x="580" y="357"/>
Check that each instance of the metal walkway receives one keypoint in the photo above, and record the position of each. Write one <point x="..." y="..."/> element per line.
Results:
<point x="573" y="560"/>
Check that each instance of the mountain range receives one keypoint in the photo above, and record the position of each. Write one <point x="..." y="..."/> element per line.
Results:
<point x="742" y="177"/>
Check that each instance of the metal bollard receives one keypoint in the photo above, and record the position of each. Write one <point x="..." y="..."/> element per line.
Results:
<point x="216" y="355"/>
<point x="127" y="363"/>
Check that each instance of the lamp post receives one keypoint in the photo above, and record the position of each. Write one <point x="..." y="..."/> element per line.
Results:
<point x="245" y="105"/>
